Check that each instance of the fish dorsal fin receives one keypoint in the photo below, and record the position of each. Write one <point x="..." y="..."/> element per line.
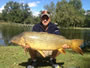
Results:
<point x="41" y="52"/>
<point x="61" y="50"/>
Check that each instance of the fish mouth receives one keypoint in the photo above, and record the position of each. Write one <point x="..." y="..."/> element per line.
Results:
<point x="12" y="42"/>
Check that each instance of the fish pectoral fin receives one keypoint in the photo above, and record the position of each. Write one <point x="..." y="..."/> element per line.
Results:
<point x="61" y="50"/>
<point x="41" y="52"/>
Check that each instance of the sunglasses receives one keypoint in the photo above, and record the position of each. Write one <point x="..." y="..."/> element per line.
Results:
<point x="45" y="17"/>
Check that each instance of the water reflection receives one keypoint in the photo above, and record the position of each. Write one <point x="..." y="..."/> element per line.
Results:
<point x="78" y="34"/>
<point x="8" y="31"/>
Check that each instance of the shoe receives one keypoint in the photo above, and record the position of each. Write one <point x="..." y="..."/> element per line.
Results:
<point x="55" y="66"/>
<point x="52" y="61"/>
<point x="32" y="64"/>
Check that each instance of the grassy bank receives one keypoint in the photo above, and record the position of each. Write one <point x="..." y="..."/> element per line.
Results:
<point x="14" y="57"/>
<point x="16" y="24"/>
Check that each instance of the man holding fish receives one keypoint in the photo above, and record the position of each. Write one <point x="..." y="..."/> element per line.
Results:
<point x="45" y="41"/>
<point x="46" y="26"/>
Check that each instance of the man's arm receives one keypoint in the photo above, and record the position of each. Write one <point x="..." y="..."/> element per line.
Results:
<point x="56" y="31"/>
<point x="35" y="28"/>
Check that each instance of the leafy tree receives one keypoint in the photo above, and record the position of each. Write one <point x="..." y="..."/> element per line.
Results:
<point x="68" y="15"/>
<point x="16" y="12"/>
<point x="0" y="16"/>
<point x="36" y="20"/>
<point x="76" y="3"/>
<point x="87" y="20"/>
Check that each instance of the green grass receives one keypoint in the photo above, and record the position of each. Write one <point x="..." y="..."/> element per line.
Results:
<point x="15" y="57"/>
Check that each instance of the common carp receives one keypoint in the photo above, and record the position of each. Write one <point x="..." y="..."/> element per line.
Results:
<point x="46" y="41"/>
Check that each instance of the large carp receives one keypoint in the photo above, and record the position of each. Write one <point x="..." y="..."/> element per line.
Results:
<point x="46" y="41"/>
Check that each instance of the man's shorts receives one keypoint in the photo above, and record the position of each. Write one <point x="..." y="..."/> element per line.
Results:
<point x="46" y="53"/>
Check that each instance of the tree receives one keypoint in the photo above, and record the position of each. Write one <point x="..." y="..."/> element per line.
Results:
<point x="16" y="12"/>
<point x="87" y="20"/>
<point x="36" y="20"/>
<point x="0" y="16"/>
<point x="76" y="3"/>
<point x="68" y="15"/>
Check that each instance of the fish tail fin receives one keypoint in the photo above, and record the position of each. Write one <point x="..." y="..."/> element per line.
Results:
<point x="76" y="43"/>
<point x="61" y="50"/>
<point x="41" y="53"/>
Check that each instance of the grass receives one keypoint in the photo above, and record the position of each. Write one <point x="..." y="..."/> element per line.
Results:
<point x="14" y="57"/>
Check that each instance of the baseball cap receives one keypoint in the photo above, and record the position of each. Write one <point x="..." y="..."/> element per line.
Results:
<point x="45" y="12"/>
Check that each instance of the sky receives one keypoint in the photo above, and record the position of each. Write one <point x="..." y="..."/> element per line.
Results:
<point x="37" y="5"/>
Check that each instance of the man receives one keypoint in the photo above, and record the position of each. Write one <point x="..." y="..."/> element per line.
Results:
<point x="45" y="26"/>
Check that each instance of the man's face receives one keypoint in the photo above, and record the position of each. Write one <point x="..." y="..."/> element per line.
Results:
<point x="45" y="20"/>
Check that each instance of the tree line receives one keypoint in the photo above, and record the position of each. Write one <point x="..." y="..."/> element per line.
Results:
<point x="69" y="13"/>
<point x="15" y="12"/>
<point x="65" y="13"/>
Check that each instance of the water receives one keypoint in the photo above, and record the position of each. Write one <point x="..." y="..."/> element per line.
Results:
<point x="1" y="40"/>
<point x="8" y="31"/>
<point x="78" y="33"/>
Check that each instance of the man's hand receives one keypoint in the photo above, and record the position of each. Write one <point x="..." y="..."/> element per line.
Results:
<point x="65" y="46"/>
<point x="26" y="47"/>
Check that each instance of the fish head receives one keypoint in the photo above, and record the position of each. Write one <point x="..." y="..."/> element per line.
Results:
<point x="76" y="43"/>
<point x="18" y="40"/>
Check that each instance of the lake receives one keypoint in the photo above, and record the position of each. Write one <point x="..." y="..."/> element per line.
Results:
<point x="7" y="31"/>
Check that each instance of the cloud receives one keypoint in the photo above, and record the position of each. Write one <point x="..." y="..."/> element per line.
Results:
<point x="35" y="12"/>
<point x="1" y="8"/>
<point x="33" y="4"/>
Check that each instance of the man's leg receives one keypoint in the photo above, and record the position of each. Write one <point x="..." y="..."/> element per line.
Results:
<point x="55" y="53"/>
<point x="52" y="59"/>
<point x="32" y="53"/>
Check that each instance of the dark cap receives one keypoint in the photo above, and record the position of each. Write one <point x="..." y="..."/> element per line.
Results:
<point x="45" y="12"/>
